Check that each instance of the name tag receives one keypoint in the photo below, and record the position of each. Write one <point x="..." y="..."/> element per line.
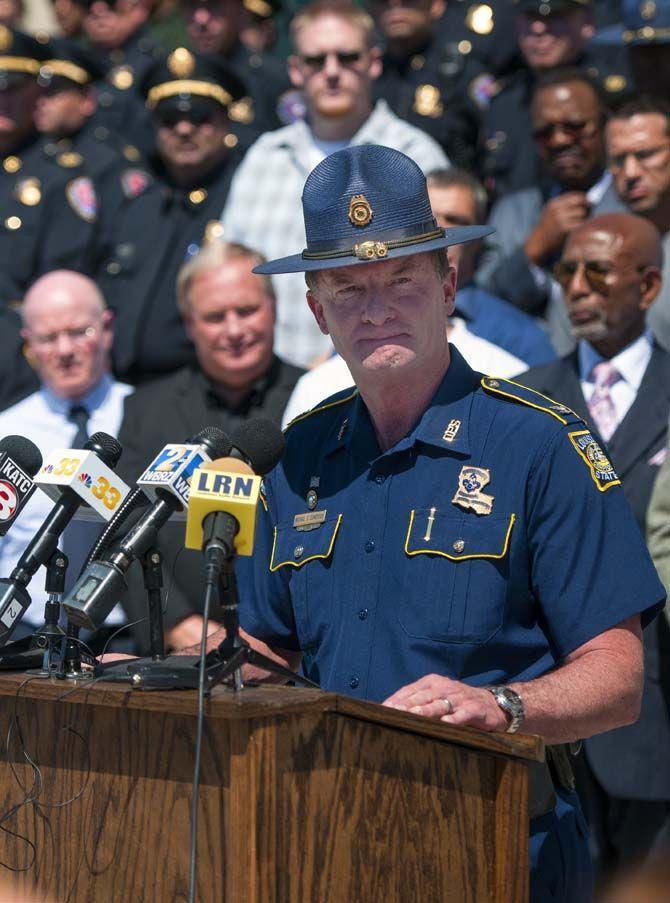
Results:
<point x="309" y="521"/>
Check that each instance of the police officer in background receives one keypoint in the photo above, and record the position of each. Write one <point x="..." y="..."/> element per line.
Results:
<point x="215" y="26"/>
<point x="551" y="34"/>
<point x="644" y="31"/>
<point x="484" y="30"/>
<point x="64" y="116"/>
<point x="422" y="80"/>
<point x="47" y="212"/>
<point x="116" y="31"/>
<point x="444" y="543"/>
<point x="259" y="34"/>
<point x="165" y="218"/>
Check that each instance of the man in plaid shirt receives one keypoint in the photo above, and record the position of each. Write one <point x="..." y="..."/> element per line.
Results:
<point x="334" y="64"/>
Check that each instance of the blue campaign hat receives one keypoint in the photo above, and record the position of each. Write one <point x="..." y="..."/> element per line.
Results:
<point x="643" y="22"/>
<point x="364" y="204"/>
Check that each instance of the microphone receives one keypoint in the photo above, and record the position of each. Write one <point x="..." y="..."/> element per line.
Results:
<point x="20" y="459"/>
<point x="102" y="583"/>
<point x="224" y="493"/>
<point x="14" y="598"/>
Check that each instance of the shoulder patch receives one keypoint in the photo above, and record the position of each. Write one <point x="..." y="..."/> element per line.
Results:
<point x="602" y="472"/>
<point x="332" y="402"/>
<point x="483" y="89"/>
<point x="134" y="181"/>
<point x="82" y="198"/>
<point x="506" y="388"/>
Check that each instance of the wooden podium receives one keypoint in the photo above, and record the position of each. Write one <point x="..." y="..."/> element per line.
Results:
<point x="305" y="796"/>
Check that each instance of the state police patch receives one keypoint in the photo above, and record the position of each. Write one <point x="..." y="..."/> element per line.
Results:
<point x="82" y="198"/>
<point x="602" y="472"/>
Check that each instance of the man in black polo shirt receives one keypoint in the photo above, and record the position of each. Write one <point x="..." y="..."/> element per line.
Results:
<point x="229" y="314"/>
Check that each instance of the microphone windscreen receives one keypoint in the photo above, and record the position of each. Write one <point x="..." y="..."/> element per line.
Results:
<point x="261" y="442"/>
<point x="215" y="441"/>
<point x="106" y="447"/>
<point x="23" y="452"/>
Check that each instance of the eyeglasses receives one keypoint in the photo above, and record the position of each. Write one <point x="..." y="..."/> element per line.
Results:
<point x="172" y="116"/>
<point x="77" y="336"/>
<point x="574" y="129"/>
<point x="596" y="273"/>
<point x="318" y="60"/>
<point x="643" y="157"/>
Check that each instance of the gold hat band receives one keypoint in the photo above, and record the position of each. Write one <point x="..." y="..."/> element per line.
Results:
<point x="66" y="69"/>
<point x="19" y="64"/>
<point x="187" y="86"/>
<point x="371" y="248"/>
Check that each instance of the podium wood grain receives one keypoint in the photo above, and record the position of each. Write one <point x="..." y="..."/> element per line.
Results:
<point x="305" y="796"/>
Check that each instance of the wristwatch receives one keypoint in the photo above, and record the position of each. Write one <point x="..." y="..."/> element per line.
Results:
<point x="511" y="704"/>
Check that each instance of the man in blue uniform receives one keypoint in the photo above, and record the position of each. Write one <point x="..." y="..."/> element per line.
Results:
<point x="449" y="544"/>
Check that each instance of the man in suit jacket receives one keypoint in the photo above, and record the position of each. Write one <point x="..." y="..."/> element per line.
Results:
<point x="532" y="224"/>
<point x="619" y="379"/>
<point x="229" y="314"/>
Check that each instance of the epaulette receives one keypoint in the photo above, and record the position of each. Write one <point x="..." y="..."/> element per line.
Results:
<point x="506" y="388"/>
<point x="332" y="402"/>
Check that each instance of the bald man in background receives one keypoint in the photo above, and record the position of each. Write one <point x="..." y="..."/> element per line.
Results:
<point x="618" y="379"/>
<point x="68" y="334"/>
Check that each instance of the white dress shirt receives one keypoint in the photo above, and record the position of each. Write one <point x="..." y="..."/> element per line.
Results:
<point x="333" y="375"/>
<point x="43" y="418"/>
<point x="631" y="363"/>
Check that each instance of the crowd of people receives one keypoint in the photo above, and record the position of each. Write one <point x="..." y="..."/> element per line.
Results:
<point x="153" y="153"/>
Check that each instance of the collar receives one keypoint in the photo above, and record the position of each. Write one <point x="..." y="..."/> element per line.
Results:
<point x="631" y="362"/>
<point x="254" y="397"/>
<point x="466" y="302"/>
<point x="443" y="424"/>
<point x="91" y="401"/>
<point x="594" y="195"/>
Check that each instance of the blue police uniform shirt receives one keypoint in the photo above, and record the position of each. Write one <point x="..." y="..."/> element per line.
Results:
<point x="498" y="321"/>
<point x="396" y="580"/>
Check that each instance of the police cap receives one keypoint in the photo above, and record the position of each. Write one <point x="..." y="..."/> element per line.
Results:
<point x="69" y="65"/>
<point x="262" y="9"/>
<point x="184" y="75"/>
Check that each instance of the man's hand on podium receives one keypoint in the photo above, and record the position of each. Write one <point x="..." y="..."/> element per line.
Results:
<point x="450" y="701"/>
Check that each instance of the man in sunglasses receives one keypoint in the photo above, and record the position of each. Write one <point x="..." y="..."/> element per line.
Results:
<point x="47" y="212"/>
<point x="162" y="222"/>
<point x="71" y="141"/>
<point x="334" y="64"/>
<point x="551" y="34"/>
<point x="619" y="379"/>
<point x="532" y="223"/>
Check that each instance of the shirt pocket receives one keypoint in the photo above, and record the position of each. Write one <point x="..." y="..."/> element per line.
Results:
<point x="455" y="576"/>
<point x="307" y="558"/>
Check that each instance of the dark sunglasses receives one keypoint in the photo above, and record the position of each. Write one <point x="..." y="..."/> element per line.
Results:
<point x="172" y="116"/>
<point x="574" y="130"/>
<point x="595" y="273"/>
<point x="318" y="60"/>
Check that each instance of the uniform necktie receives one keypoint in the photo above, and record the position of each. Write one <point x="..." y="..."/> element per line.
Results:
<point x="79" y="416"/>
<point x="601" y="404"/>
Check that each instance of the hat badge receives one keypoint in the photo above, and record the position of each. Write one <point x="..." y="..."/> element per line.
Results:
<point x="5" y="38"/>
<point x="181" y="62"/>
<point x="360" y="211"/>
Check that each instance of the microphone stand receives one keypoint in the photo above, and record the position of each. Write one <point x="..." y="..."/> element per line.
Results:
<point x="180" y="671"/>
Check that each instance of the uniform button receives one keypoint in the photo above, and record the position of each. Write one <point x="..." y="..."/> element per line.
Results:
<point x="363" y="613"/>
<point x="105" y="99"/>
<point x="370" y="546"/>
<point x="298" y="551"/>
<point x="354" y="682"/>
<point x="379" y="479"/>
<point x="458" y="546"/>
<point x="113" y="268"/>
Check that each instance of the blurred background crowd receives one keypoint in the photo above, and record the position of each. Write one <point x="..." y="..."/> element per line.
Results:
<point x="152" y="151"/>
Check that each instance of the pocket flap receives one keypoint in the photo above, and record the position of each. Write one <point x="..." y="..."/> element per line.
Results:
<point x="458" y="538"/>
<point x="295" y="547"/>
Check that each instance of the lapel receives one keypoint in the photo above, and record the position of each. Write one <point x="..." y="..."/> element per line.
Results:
<point x="566" y="388"/>
<point x="189" y="411"/>
<point x="647" y="419"/>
